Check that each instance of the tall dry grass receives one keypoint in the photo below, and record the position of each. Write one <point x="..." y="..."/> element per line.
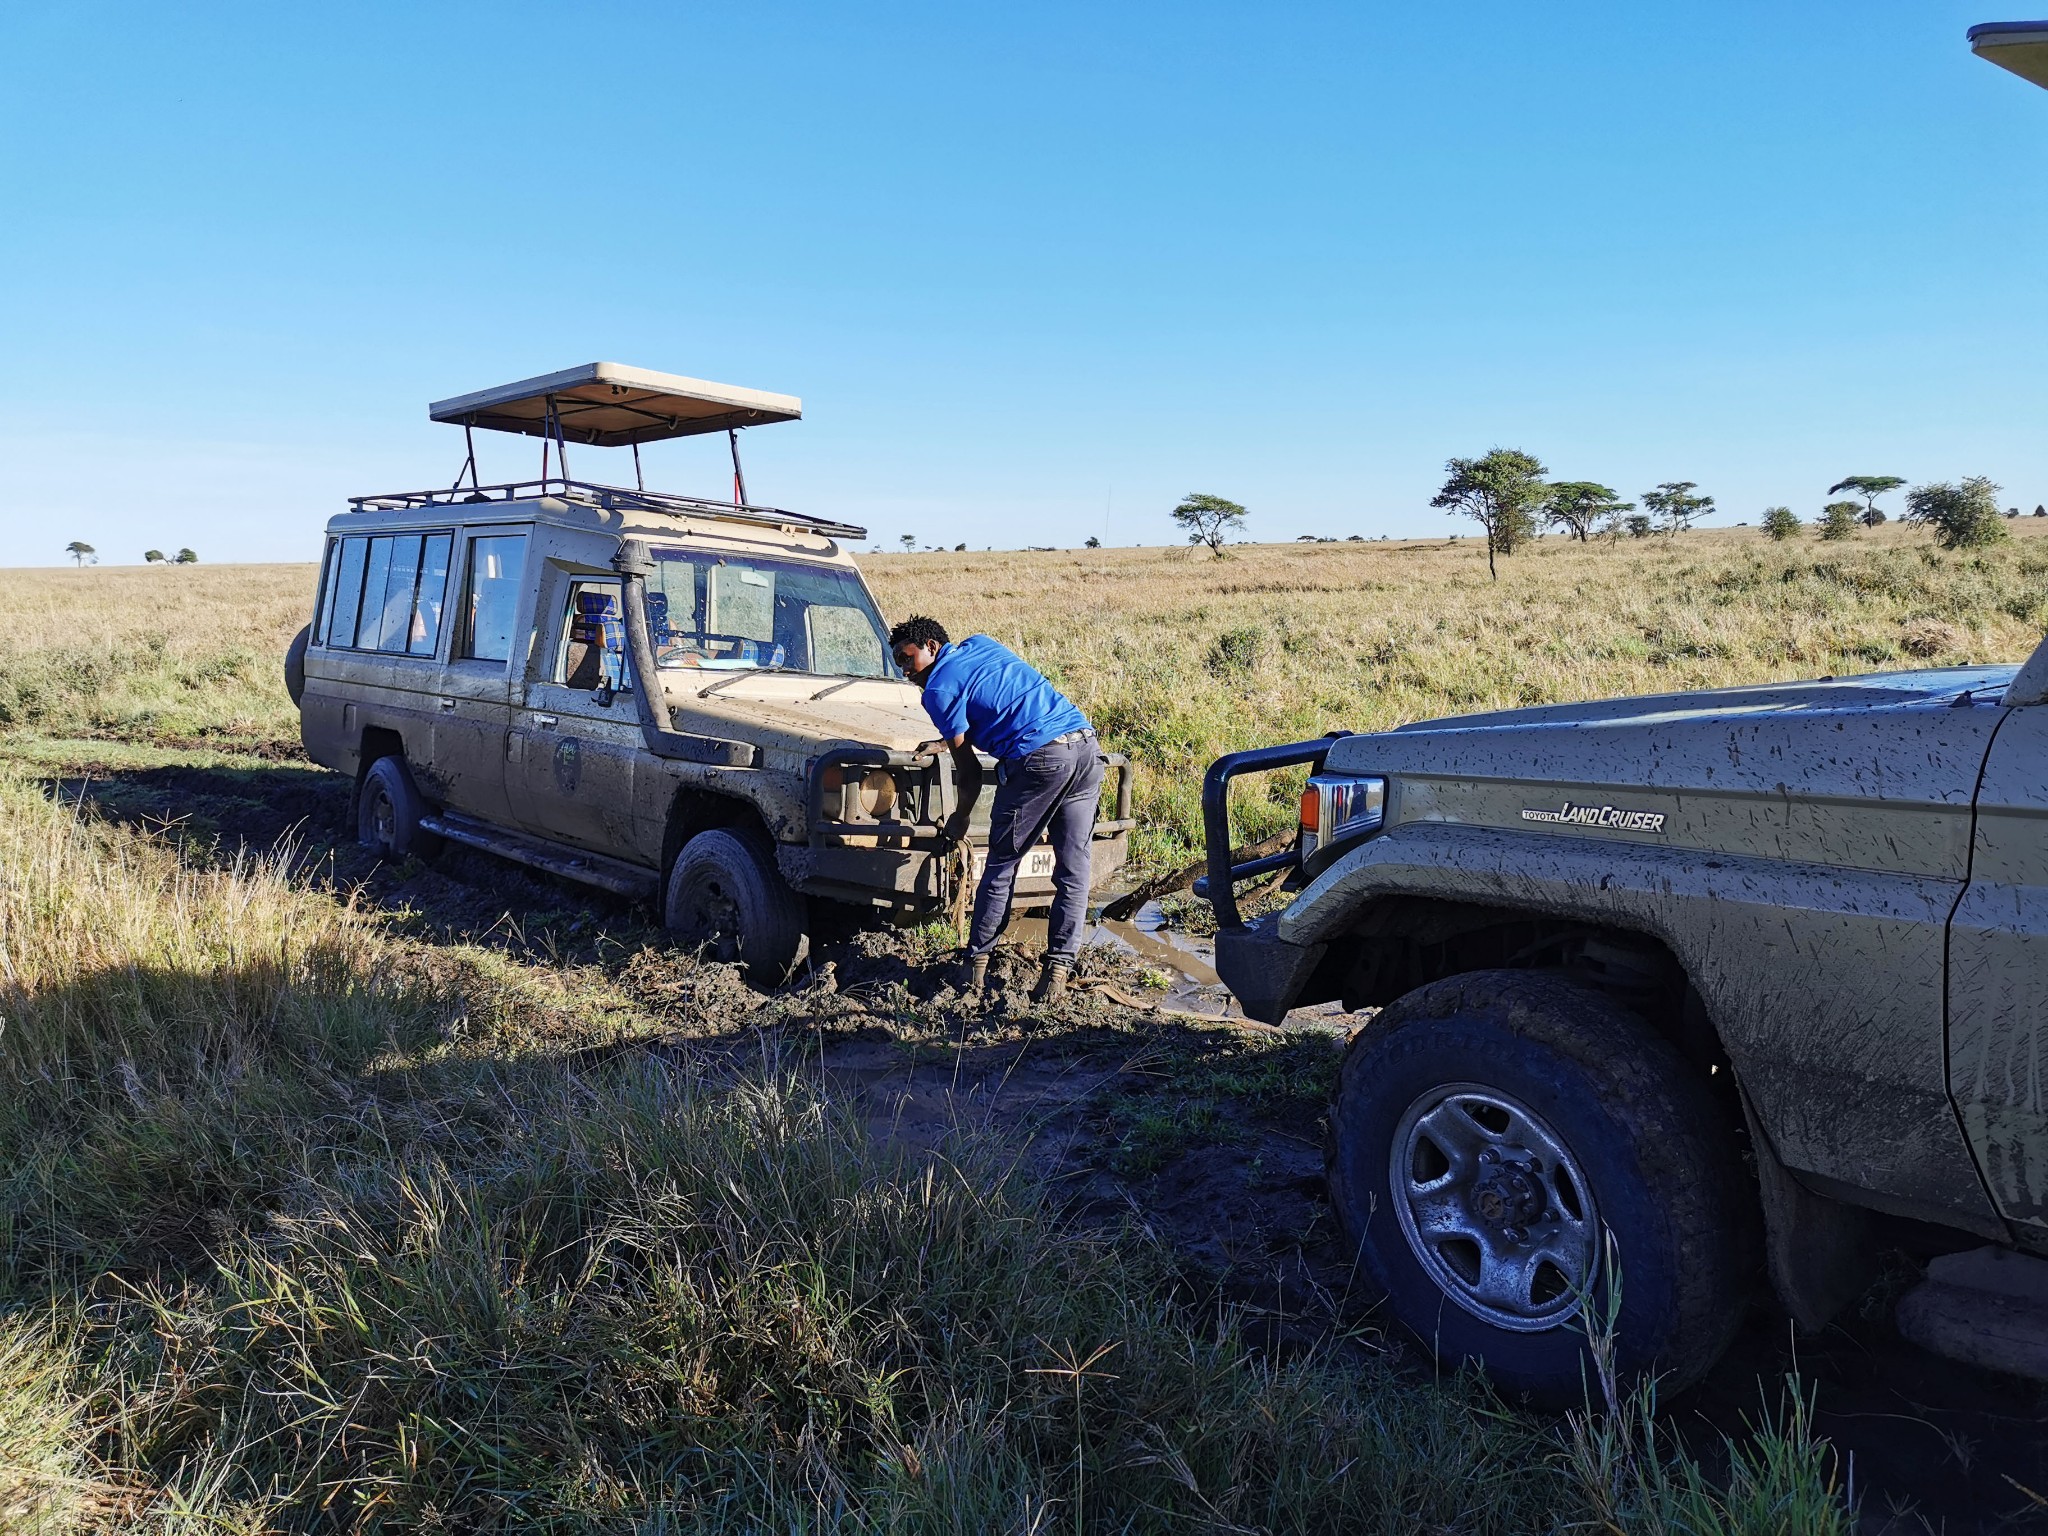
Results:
<point x="152" y="654"/>
<point x="1178" y="657"/>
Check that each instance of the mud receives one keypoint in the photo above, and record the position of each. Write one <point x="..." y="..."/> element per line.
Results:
<point x="1206" y="1136"/>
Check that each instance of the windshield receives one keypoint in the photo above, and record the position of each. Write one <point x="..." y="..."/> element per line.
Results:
<point x="730" y="613"/>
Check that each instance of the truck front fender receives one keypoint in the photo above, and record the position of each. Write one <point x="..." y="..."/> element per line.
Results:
<point x="1825" y="983"/>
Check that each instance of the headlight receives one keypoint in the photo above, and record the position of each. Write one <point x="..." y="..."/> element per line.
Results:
<point x="1336" y="807"/>
<point x="873" y="792"/>
<point x="878" y="794"/>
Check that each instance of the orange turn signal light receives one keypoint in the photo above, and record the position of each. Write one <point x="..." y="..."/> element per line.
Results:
<point x="1311" y="809"/>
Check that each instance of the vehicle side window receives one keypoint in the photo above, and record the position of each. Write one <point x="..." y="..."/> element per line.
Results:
<point x="497" y="562"/>
<point x="331" y="577"/>
<point x="348" y="593"/>
<point x="386" y="592"/>
<point x="591" y="652"/>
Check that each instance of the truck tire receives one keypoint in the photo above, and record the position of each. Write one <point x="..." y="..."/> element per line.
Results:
<point x="1505" y="1141"/>
<point x="728" y="901"/>
<point x="388" y="812"/>
<point x="295" y="664"/>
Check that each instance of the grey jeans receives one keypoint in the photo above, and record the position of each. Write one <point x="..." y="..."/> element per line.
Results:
<point x="1054" y="789"/>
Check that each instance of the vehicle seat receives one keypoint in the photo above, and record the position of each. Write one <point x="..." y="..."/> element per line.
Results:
<point x="594" y="630"/>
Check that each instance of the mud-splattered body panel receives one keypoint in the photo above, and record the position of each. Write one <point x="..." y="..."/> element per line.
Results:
<point x="1799" y="850"/>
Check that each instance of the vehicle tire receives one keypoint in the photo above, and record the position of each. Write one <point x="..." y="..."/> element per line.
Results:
<point x="295" y="664"/>
<point x="1504" y="1139"/>
<point x="728" y="901"/>
<point x="388" y="812"/>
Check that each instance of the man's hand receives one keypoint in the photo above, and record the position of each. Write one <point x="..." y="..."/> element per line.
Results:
<point x="934" y="748"/>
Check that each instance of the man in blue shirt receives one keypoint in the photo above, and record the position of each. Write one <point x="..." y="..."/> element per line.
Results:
<point x="980" y="694"/>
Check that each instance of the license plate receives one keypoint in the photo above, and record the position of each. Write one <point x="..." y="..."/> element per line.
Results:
<point x="1038" y="864"/>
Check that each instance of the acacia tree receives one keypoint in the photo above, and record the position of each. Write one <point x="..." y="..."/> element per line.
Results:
<point x="907" y="540"/>
<point x="1502" y="491"/>
<point x="152" y="557"/>
<point x="1674" y="505"/>
<point x="81" y="552"/>
<point x="184" y="557"/>
<point x="1838" y="520"/>
<point x="1209" y="520"/>
<point x="1578" y="505"/>
<point x="1963" y="516"/>
<point x="1781" y="523"/>
<point x="1869" y="487"/>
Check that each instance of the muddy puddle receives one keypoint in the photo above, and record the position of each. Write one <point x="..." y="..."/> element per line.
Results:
<point x="1133" y="1115"/>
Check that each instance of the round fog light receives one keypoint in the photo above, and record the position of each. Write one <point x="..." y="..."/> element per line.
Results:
<point x="878" y="794"/>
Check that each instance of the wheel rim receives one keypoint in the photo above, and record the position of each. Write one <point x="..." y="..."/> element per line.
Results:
<point x="1494" y="1207"/>
<point x="383" y="819"/>
<point x="710" y="917"/>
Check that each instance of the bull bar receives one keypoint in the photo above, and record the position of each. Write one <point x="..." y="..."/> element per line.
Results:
<point x="1219" y="886"/>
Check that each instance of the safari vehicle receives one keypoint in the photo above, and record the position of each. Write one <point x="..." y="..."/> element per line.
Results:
<point x="1659" y="976"/>
<point x="661" y="696"/>
<point x="1656" y="976"/>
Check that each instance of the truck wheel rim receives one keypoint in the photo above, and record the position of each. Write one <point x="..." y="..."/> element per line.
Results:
<point x="383" y="818"/>
<point x="1494" y="1206"/>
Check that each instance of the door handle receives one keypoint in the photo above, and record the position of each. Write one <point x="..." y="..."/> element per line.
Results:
<point x="447" y="703"/>
<point x="548" y="721"/>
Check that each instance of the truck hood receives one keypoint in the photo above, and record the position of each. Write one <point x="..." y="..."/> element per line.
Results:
<point x="799" y="712"/>
<point x="1779" y="770"/>
<point x="1831" y="696"/>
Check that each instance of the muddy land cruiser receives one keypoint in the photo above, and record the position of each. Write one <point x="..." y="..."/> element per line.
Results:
<point x="1661" y="977"/>
<point x="665" y="697"/>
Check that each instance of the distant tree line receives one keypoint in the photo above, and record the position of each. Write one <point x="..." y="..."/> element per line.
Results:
<point x="1962" y="515"/>
<point x="83" y="553"/>
<point x="1507" y="493"/>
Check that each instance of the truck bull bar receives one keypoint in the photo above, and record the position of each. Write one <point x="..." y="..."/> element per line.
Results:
<point x="936" y="798"/>
<point x="1219" y="886"/>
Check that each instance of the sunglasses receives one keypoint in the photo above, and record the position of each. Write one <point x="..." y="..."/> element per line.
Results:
<point x="907" y="660"/>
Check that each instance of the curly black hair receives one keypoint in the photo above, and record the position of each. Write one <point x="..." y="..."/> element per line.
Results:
<point x="918" y="630"/>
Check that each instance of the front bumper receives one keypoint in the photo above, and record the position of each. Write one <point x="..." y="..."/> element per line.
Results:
<point x="1264" y="972"/>
<point x="905" y="859"/>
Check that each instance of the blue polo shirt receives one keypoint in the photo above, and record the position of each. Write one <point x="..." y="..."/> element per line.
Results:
<point x="982" y="689"/>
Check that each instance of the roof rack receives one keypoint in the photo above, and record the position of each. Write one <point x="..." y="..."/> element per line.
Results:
<point x="609" y="498"/>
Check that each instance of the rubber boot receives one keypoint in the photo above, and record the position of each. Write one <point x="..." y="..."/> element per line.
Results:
<point x="970" y="974"/>
<point x="1051" y="988"/>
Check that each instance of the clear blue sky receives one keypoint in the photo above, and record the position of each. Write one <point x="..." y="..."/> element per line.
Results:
<point x="1036" y="271"/>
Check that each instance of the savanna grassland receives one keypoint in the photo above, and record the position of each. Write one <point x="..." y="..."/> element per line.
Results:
<point x="1178" y="656"/>
<point x="336" y="1197"/>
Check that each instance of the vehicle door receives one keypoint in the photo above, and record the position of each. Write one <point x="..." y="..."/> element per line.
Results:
<point x="1998" y="974"/>
<point x="376" y="642"/>
<point x="488" y="651"/>
<point x="576" y="736"/>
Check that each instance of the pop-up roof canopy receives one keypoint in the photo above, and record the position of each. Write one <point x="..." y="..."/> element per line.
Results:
<point x="610" y="405"/>
<point x="2020" y="46"/>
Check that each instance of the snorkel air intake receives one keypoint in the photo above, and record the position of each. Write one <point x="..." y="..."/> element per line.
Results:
<point x="635" y="564"/>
